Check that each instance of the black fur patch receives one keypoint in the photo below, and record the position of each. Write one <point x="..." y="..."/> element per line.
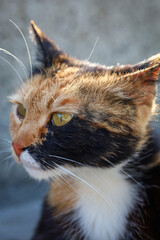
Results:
<point x="125" y="69"/>
<point x="56" y="228"/>
<point x="47" y="228"/>
<point x="83" y="144"/>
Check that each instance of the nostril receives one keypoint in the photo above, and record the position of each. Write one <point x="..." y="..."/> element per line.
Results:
<point x="17" y="148"/>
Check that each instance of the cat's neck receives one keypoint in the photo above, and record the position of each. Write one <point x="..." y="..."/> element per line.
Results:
<point x="103" y="206"/>
<point x="101" y="200"/>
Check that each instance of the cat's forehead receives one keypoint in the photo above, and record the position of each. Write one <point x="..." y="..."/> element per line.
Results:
<point x="67" y="82"/>
<point x="51" y="91"/>
<point x="69" y="89"/>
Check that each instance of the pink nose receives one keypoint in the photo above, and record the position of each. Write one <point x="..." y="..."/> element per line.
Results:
<point x="17" y="148"/>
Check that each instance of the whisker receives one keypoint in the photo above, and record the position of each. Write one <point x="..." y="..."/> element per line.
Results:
<point x="6" y="158"/>
<point x="94" y="46"/>
<point x="12" y="68"/>
<point x="67" y="159"/>
<point x="53" y="175"/>
<point x="104" y="197"/>
<point x="28" y="51"/>
<point x="50" y="170"/>
<point x="5" y="151"/>
<point x="79" y="73"/>
<point x="11" y="165"/>
<point x="6" y="140"/>
<point x="93" y="171"/>
<point x="92" y="188"/>
<point x="23" y="179"/>
<point x="128" y="175"/>
<point x="17" y="59"/>
<point x="59" y="176"/>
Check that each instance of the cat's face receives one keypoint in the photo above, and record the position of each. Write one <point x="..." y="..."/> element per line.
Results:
<point x="74" y="114"/>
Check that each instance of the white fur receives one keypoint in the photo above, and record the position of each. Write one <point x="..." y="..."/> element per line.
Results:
<point x="102" y="213"/>
<point x="105" y="197"/>
<point x="32" y="167"/>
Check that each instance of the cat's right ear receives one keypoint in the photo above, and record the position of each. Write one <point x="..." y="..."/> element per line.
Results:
<point x="48" y="53"/>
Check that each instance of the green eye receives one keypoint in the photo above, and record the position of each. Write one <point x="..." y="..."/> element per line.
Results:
<point x="60" y="119"/>
<point x="21" y="111"/>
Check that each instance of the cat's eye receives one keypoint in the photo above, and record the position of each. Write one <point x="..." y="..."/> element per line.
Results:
<point x="21" y="111"/>
<point x="60" y="119"/>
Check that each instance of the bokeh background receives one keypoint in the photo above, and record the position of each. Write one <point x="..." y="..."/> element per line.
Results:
<point x="128" y="31"/>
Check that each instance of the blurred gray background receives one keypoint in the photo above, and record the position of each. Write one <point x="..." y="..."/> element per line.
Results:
<point x="128" y="31"/>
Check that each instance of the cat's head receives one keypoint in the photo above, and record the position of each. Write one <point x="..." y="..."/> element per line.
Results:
<point x="71" y="113"/>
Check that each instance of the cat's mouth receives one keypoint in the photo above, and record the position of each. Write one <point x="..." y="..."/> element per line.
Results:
<point x="34" y="168"/>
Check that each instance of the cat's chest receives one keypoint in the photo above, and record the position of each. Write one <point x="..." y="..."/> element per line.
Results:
<point x="104" y="203"/>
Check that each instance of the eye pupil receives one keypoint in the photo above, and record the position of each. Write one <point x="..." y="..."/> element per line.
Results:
<point x="60" y="119"/>
<point x="21" y="111"/>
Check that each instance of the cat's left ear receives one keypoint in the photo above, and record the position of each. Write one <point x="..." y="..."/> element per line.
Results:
<point x="48" y="52"/>
<point x="140" y="80"/>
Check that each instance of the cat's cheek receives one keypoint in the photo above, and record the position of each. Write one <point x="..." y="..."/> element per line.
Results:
<point x="15" y="123"/>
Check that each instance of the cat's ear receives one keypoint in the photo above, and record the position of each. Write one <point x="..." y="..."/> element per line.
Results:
<point x="140" y="80"/>
<point x="48" y="52"/>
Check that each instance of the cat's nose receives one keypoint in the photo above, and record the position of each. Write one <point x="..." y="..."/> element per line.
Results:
<point x="17" y="148"/>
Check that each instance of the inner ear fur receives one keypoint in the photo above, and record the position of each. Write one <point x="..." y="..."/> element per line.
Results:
<point x="140" y="79"/>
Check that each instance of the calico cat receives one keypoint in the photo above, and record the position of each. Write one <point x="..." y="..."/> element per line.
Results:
<point x="86" y="127"/>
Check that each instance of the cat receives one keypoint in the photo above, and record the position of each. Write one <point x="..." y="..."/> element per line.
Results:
<point x="87" y="128"/>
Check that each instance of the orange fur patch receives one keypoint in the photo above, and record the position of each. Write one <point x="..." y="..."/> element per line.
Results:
<point x="72" y="89"/>
<point x="155" y="162"/>
<point x="62" y="195"/>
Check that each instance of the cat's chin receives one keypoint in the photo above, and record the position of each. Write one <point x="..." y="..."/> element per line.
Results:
<point x="37" y="173"/>
<point x="32" y="167"/>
